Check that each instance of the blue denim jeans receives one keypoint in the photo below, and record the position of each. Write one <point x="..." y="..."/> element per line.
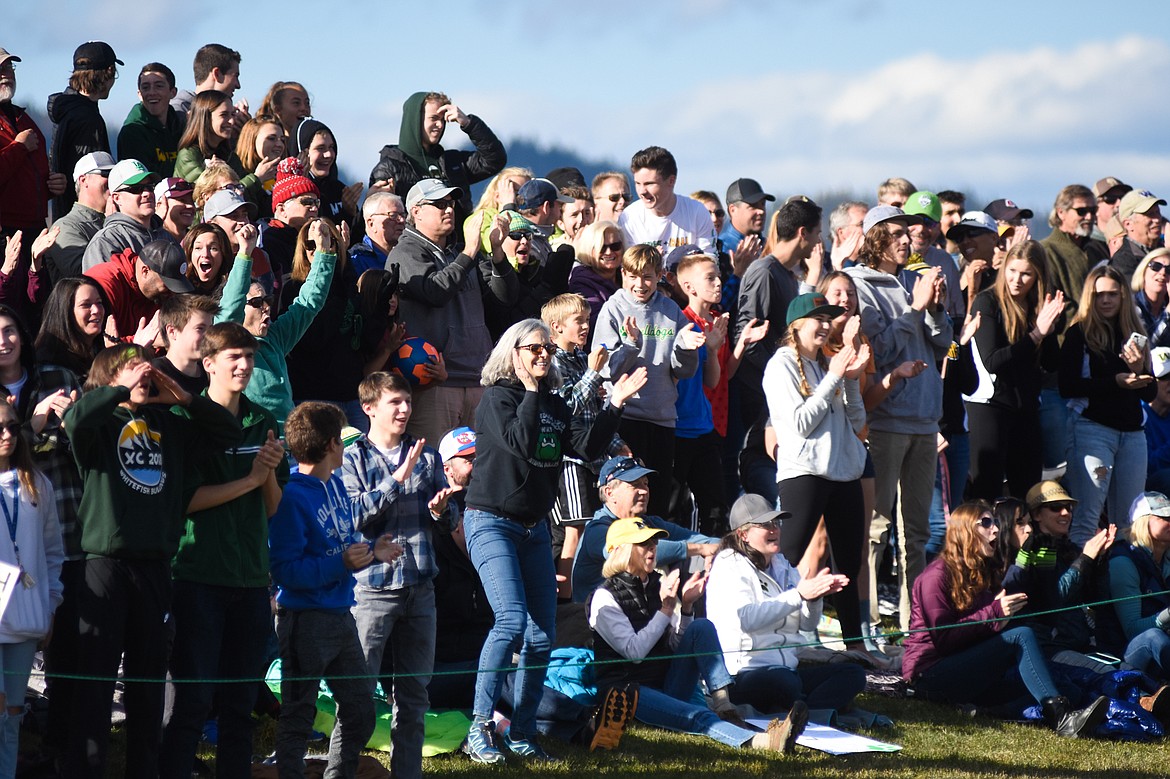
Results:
<point x="979" y="674"/>
<point x="957" y="456"/>
<point x="220" y="633"/>
<point x="16" y="661"/>
<point x="1149" y="652"/>
<point x="404" y="621"/>
<point x="672" y="707"/>
<point x="1104" y="465"/>
<point x="1054" y="426"/>
<point x="775" y="688"/>
<point x="516" y="567"/>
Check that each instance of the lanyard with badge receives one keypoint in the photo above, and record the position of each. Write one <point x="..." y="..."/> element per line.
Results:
<point x="12" y="517"/>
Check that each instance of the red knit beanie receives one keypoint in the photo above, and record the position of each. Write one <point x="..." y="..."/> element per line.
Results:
<point x="291" y="182"/>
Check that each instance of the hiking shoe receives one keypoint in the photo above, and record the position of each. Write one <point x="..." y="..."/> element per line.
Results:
<point x="790" y="728"/>
<point x="480" y="745"/>
<point x="609" y="721"/>
<point x="524" y="747"/>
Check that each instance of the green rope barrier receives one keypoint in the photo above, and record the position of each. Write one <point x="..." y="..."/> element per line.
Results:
<point x="510" y="669"/>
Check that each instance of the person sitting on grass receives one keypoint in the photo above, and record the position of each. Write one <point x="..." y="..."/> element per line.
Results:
<point x="961" y="649"/>
<point x="764" y="604"/>
<point x="632" y="617"/>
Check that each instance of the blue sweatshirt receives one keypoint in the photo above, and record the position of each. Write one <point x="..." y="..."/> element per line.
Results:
<point x="306" y="540"/>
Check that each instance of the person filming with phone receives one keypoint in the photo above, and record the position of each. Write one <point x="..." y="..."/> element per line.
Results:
<point x="1105" y="371"/>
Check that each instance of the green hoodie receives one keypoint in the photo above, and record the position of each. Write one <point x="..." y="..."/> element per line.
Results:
<point x="410" y="137"/>
<point x="227" y="545"/>
<point x="133" y="466"/>
<point x="146" y="139"/>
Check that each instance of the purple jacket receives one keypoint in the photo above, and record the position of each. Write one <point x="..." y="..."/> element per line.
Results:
<point x="595" y="288"/>
<point x="931" y="607"/>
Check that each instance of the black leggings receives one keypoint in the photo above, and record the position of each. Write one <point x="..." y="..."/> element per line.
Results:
<point x="809" y="498"/>
<point x="1005" y="444"/>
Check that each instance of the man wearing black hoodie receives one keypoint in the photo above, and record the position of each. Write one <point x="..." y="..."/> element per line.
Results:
<point x="78" y="127"/>
<point x="419" y="155"/>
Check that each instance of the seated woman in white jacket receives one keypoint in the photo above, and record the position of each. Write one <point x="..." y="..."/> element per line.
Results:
<point x="763" y="604"/>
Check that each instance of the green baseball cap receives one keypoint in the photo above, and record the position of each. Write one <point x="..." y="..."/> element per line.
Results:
<point x="924" y="203"/>
<point x="811" y="304"/>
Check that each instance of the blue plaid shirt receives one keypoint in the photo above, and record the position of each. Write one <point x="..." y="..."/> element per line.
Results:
<point x="579" y="388"/>
<point x="382" y="505"/>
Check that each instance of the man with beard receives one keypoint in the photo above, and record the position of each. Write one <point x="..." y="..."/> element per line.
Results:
<point x="1069" y="244"/>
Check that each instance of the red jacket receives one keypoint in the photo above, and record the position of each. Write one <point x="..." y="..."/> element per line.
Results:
<point x="24" y="176"/>
<point x="127" y="303"/>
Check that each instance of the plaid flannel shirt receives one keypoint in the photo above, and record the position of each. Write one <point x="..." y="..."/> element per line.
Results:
<point x="382" y="505"/>
<point x="53" y="454"/>
<point x="580" y="390"/>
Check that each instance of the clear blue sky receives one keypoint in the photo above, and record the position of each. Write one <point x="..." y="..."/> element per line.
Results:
<point x="1012" y="99"/>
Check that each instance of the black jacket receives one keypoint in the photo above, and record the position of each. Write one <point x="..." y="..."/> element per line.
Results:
<point x="458" y="168"/>
<point x="521" y="438"/>
<point x="78" y="129"/>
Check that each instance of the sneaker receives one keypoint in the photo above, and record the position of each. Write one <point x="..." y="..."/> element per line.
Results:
<point x="481" y="744"/>
<point x="611" y="717"/>
<point x="524" y="747"/>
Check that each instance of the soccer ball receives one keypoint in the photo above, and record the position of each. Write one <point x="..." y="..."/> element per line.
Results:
<point x="410" y="359"/>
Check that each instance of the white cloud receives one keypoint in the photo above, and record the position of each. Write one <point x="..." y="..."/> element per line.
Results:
<point x="1023" y="123"/>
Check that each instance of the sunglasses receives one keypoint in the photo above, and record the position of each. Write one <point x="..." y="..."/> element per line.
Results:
<point x="309" y="202"/>
<point x="260" y="301"/>
<point x="1058" y="507"/>
<point x="12" y="428"/>
<point x="718" y="213"/>
<point x="1109" y="200"/>
<point x="137" y="189"/>
<point x="520" y="235"/>
<point x="616" y="246"/>
<point x="622" y="196"/>
<point x="1085" y="210"/>
<point x="1157" y="267"/>
<point x="442" y="205"/>
<point x="771" y="524"/>
<point x="536" y="349"/>
<point x="987" y="522"/>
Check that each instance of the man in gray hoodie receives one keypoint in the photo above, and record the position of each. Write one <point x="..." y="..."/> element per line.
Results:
<point x="903" y="429"/>
<point x="134" y="223"/>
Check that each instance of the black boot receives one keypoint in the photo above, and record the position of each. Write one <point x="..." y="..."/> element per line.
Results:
<point x="1074" y="723"/>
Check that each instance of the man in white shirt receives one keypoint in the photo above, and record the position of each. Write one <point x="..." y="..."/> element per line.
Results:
<point x="660" y="217"/>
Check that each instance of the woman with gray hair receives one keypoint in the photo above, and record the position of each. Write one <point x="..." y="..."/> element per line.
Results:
<point x="523" y="429"/>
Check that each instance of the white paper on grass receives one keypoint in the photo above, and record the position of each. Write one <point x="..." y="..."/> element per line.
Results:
<point x="9" y="581"/>
<point x="835" y="742"/>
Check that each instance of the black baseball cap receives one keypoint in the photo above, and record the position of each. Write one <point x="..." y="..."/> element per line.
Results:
<point x="747" y="191"/>
<point x="95" y="55"/>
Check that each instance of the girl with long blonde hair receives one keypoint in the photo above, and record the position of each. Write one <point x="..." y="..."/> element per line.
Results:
<point x="1105" y="372"/>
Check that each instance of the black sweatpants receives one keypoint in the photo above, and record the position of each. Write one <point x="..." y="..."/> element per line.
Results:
<point x="654" y="446"/>
<point x="1005" y="444"/>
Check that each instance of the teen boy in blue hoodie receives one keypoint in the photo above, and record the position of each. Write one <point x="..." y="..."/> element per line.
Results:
<point x="315" y="549"/>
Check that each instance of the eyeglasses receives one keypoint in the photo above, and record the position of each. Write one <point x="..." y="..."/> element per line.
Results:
<point x="1157" y="267"/>
<point x="398" y="216"/>
<point x="442" y="205"/>
<point x="616" y="246"/>
<point x="260" y="301"/>
<point x="309" y="202"/>
<point x="622" y="196"/>
<point x="536" y="349"/>
<point x="987" y="522"/>
<point x="12" y="428"/>
<point x="1084" y="210"/>
<point x="520" y="235"/>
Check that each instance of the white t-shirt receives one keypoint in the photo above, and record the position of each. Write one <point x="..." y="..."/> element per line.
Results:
<point x="690" y="222"/>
